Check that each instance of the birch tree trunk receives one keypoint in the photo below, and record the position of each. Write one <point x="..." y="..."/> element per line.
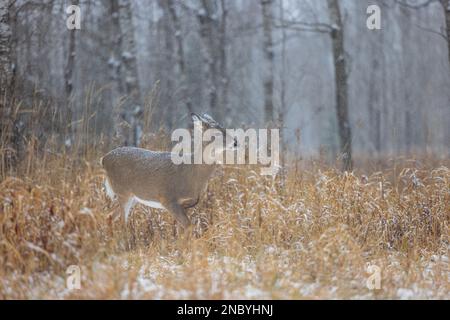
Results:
<point x="116" y="42"/>
<point x="446" y="6"/>
<point x="224" y="80"/>
<point x="375" y="102"/>
<point x="283" y="108"/>
<point x="267" y="15"/>
<point x="168" y="64"/>
<point x="180" y="55"/>
<point x="6" y="61"/>
<point x="130" y="72"/>
<point x="7" y="136"/>
<point x="115" y="65"/>
<point x="68" y="74"/>
<point x="207" y="18"/>
<point x="129" y="54"/>
<point x="13" y="47"/>
<point x="123" y="65"/>
<point x="340" y="68"/>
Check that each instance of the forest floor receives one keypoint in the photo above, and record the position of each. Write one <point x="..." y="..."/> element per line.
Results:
<point x="317" y="234"/>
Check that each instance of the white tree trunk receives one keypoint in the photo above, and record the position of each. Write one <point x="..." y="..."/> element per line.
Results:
<point x="208" y="33"/>
<point x="124" y="69"/>
<point x="6" y="66"/>
<point x="68" y="74"/>
<point x="180" y="55"/>
<point x="267" y="15"/>
<point x="446" y="6"/>
<point x="340" y="68"/>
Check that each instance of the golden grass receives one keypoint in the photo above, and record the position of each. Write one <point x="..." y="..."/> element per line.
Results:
<point x="253" y="237"/>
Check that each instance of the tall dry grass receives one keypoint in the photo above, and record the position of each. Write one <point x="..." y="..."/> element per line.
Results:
<point x="308" y="234"/>
<point x="253" y="237"/>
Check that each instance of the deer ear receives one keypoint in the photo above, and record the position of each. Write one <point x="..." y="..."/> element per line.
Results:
<point x="195" y="117"/>
<point x="209" y="121"/>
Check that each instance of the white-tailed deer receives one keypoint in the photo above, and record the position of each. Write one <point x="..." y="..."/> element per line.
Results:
<point x="153" y="179"/>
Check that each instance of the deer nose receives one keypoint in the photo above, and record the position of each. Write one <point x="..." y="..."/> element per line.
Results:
<point x="235" y="143"/>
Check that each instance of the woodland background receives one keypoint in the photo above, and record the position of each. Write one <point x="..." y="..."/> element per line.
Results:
<point x="375" y="103"/>
<point x="312" y="68"/>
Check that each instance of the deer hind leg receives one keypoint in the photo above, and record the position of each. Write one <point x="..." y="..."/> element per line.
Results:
<point x="126" y="201"/>
<point x="108" y="189"/>
<point x="178" y="212"/>
<point x="126" y="204"/>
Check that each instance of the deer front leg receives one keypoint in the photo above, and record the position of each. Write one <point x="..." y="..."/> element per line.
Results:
<point x="178" y="212"/>
<point x="190" y="203"/>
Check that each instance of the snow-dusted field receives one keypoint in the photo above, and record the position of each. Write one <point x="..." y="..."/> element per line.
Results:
<point x="312" y="236"/>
